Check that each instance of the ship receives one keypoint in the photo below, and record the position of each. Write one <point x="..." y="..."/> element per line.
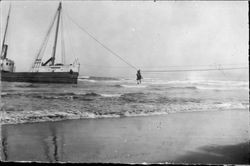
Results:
<point x="41" y="71"/>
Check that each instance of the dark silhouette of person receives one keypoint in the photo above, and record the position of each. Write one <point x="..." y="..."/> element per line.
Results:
<point x="138" y="77"/>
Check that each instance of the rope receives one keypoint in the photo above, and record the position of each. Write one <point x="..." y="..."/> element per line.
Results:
<point x="161" y="67"/>
<point x="108" y="49"/>
<point x="68" y="36"/>
<point x="178" y="66"/>
<point x="150" y="71"/>
<point x="163" y="71"/>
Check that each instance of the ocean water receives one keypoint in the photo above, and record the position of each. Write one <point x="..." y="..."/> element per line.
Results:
<point x="97" y="97"/>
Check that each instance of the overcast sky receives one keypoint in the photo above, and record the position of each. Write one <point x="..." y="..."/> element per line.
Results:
<point x="149" y="35"/>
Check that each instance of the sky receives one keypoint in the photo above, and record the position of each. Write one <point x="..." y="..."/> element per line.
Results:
<point x="148" y="35"/>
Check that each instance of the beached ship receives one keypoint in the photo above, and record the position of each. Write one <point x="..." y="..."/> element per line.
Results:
<point x="41" y="72"/>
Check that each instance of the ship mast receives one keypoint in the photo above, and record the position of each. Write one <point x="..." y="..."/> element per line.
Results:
<point x="4" y="46"/>
<point x="56" y="35"/>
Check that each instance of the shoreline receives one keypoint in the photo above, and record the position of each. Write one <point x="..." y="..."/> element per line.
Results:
<point x="110" y="117"/>
<point x="218" y="137"/>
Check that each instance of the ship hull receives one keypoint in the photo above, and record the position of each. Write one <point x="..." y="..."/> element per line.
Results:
<point x="40" y="77"/>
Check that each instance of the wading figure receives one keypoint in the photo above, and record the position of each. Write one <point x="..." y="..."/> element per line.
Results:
<point x="139" y="77"/>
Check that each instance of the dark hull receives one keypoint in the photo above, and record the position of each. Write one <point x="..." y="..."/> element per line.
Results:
<point x="40" y="77"/>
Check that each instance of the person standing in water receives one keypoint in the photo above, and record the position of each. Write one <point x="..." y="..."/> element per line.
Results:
<point x="139" y="77"/>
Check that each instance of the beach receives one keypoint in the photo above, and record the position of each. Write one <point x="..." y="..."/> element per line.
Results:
<point x="216" y="137"/>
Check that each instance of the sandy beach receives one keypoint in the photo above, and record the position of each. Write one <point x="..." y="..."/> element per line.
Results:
<point x="194" y="137"/>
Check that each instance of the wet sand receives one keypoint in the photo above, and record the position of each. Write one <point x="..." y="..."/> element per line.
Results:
<point x="194" y="137"/>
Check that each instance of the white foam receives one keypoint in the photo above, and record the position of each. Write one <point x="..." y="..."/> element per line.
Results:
<point x="111" y="81"/>
<point x="199" y="82"/>
<point x="110" y="95"/>
<point x="84" y="77"/>
<point x="134" y="86"/>
<point x="87" y="80"/>
<point x="232" y="106"/>
<point x="128" y="114"/>
<point x="220" y="87"/>
<point x="3" y="93"/>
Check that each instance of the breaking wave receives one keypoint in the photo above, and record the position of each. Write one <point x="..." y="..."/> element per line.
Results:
<point x="134" y="86"/>
<point x="44" y="116"/>
<point x="182" y="88"/>
<point x="16" y="115"/>
<point x="96" y="78"/>
<point x="202" y="84"/>
<point x="68" y="95"/>
<point x="234" y="105"/>
<point x="221" y="88"/>
<point x="87" y="80"/>
<point x="110" y="95"/>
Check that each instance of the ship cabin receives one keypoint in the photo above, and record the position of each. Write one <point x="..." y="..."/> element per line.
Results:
<point x="7" y="65"/>
<point x="57" y="68"/>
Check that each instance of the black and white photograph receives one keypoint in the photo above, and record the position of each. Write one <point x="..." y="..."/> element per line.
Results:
<point x="124" y="82"/>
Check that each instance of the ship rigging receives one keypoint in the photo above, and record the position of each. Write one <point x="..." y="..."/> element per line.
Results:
<point x="50" y="65"/>
<point x="41" y="72"/>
